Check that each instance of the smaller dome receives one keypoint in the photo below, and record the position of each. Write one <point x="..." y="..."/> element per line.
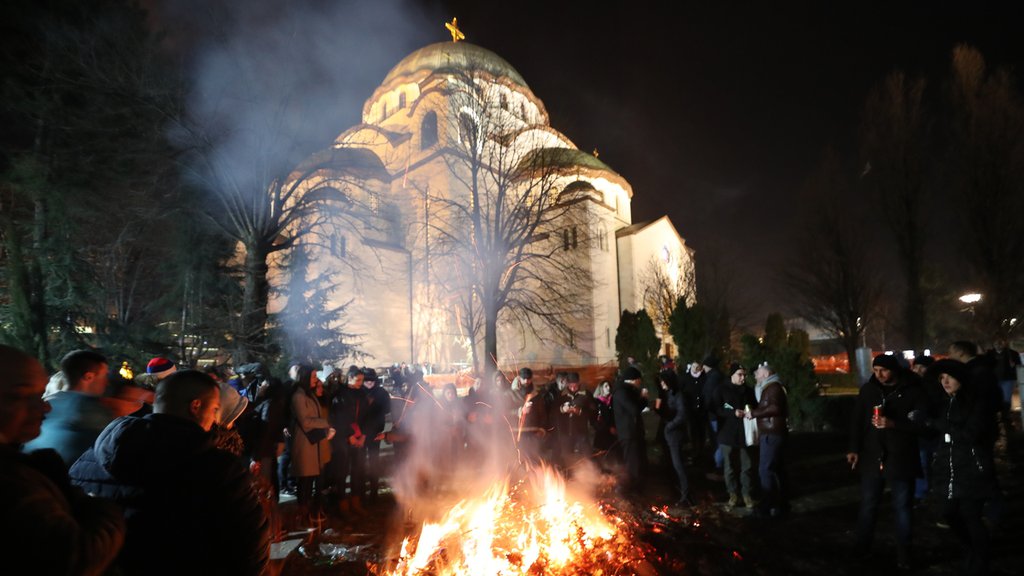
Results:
<point x="454" y="55"/>
<point x="564" y="158"/>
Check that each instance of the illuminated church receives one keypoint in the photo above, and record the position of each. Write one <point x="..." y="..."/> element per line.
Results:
<point x="408" y="157"/>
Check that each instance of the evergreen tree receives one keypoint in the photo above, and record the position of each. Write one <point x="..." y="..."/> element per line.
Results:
<point x="637" y="338"/>
<point x="788" y="353"/>
<point x="308" y="329"/>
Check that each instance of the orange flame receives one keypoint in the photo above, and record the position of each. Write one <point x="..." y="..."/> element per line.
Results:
<point x="532" y="527"/>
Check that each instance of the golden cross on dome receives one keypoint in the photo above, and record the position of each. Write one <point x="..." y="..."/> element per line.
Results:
<point x="595" y="153"/>
<point x="453" y="27"/>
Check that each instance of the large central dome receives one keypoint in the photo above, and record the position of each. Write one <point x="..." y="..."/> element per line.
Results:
<point x="458" y="55"/>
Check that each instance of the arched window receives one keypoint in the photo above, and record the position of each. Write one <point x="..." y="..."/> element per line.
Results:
<point x="401" y="100"/>
<point x="428" y="130"/>
<point x="383" y="110"/>
<point x="468" y="131"/>
<point x="522" y="110"/>
<point x="503" y="101"/>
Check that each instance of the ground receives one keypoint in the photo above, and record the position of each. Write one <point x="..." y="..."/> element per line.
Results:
<point x="710" y="540"/>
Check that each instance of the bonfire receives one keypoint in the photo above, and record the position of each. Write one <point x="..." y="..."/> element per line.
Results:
<point x="533" y="526"/>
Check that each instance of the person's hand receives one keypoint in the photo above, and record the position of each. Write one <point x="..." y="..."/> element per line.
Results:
<point x="748" y="415"/>
<point x="881" y="422"/>
<point x="740" y="413"/>
<point x="643" y="393"/>
<point x="381" y="436"/>
<point x="330" y="433"/>
<point x="851" y="459"/>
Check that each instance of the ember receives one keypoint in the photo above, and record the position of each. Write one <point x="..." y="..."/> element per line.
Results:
<point x="532" y="527"/>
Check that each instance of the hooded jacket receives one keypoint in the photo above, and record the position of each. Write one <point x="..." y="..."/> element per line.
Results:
<point x="964" y="466"/>
<point x="189" y="507"/>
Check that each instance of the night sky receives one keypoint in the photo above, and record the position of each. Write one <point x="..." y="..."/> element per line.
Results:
<point x="715" y="114"/>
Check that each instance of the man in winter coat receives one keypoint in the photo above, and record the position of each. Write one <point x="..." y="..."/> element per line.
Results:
<point x="78" y="414"/>
<point x="349" y="412"/>
<point x="189" y="507"/>
<point x="44" y="521"/>
<point x="1005" y="361"/>
<point x="713" y="383"/>
<point x="628" y="402"/>
<point x="574" y="407"/>
<point x="772" y="413"/>
<point x="378" y="408"/>
<point x="887" y="420"/>
<point x="736" y="399"/>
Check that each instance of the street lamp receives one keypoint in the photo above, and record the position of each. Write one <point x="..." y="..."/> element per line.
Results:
<point x="971" y="298"/>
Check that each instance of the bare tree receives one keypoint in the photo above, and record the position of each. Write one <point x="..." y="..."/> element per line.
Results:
<point x="894" y="141"/>
<point x="830" y="275"/>
<point x="511" y="227"/>
<point x="258" y="138"/>
<point x="666" y="285"/>
<point x="988" y="122"/>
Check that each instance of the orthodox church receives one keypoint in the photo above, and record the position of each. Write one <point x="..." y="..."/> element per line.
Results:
<point x="452" y="132"/>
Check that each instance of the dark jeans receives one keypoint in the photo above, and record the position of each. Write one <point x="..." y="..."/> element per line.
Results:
<point x="284" y="464"/>
<point x="927" y="453"/>
<point x="713" y="438"/>
<point x="349" y="462"/>
<point x="373" y="466"/>
<point x="871" y="487"/>
<point x="964" y="517"/>
<point x="633" y="457"/>
<point x="573" y="448"/>
<point x="696" y="424"/>
<point x="774" y="484"/>
<point x="675" y="450"/>
<point x="308" y="500"/>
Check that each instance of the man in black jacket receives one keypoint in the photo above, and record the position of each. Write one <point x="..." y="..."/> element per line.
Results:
<point x="44" y="520"/>
<point x="628" y="401"/>
<point x="189" y="507"/>
<point x="378" y="407"/>
<point x="887" y="419"/>
<point x="713" y="383"/>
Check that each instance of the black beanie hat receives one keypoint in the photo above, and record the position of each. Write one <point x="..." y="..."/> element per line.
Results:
<point x="886" y="361"/>
<point x="734" y="367"/>
<point x="954" y="368"/>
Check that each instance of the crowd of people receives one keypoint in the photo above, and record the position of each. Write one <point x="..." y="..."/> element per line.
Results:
<point x="930" y="430"/>
<point x="123" y="467"/>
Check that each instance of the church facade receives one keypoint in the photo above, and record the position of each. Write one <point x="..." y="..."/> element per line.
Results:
<point x="458" y="193"/>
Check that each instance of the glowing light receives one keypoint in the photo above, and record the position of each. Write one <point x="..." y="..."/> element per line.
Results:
<point x="126" y="371"/>
<point x="971" y="298"/>
<point x="530" y="528"/>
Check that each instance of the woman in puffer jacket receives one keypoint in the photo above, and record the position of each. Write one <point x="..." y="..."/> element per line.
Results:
<point x="963" y="468"/>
